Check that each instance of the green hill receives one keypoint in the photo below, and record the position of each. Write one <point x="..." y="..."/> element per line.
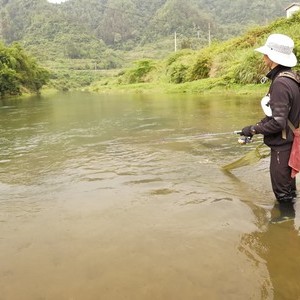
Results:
<point x="222" y="65"/>
<point x="83" y="41"/>
<point x="79" y="29"/>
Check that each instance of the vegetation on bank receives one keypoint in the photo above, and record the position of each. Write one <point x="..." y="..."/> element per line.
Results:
<point x="19" y="72"/>
<point x="83" y="41"/>
<point x="221" y="66"/>
<point x="231" y="66"/>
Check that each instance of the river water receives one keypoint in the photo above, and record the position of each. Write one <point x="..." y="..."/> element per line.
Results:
<point x="122" y="197"/>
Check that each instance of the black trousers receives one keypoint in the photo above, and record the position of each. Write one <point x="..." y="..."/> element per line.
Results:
<point x="284" y="187"/>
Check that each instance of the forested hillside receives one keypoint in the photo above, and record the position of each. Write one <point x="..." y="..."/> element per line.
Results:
<point x="88" y="28"/>
<point x="227" y="65"/>
<point x="78" y="40"/>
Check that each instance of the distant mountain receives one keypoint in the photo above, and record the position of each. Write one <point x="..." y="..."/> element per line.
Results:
<point x="88" y="28"/>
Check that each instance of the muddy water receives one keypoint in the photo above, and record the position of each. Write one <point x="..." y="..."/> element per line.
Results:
<point x="122" y="197"/>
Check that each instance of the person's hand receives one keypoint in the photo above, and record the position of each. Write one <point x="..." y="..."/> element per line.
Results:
<point x="247" y="131"/>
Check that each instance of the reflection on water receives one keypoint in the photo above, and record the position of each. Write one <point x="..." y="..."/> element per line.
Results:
<point x="122" y="197"/>
<point x="278" y="247"/>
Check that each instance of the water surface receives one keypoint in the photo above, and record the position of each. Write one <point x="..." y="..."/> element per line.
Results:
<point x="122" y="197"/>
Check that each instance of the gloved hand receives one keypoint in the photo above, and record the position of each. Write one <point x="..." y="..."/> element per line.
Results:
<point x="246" y="131"/>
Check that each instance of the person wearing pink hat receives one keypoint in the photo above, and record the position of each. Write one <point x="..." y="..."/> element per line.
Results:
<point x="282" y="107"/>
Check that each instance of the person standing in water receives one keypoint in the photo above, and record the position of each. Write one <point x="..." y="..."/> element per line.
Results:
<point x="282" y="105"/>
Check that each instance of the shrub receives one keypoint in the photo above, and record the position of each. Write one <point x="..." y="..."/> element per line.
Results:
<point x="201" y="68"/>
<point x="19" y="71"/>
<point x="139" y="72"/>
<point x="248" y="69"/>
<point x="178" y="73"/>
<point x="8" y="82"/>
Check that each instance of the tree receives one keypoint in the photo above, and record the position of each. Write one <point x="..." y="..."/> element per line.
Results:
<point x="18" y="70"/>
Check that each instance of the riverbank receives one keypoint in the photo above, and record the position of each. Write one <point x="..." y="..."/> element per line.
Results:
<point x="204" y="86"/>
<point x="191" y="88"/>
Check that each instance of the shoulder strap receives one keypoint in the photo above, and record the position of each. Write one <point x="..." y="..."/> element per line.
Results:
<point x="295" y="77"/>
<point x="290" y="74"/>
<point x="290" y="124"/>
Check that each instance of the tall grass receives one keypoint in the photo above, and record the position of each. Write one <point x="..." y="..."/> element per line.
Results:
<point x="223" y="64"/>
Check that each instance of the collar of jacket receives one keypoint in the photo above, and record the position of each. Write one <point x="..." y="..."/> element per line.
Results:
<point x="274" y="72"/>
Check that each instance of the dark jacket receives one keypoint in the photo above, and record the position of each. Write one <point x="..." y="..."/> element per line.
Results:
<point x="285" y="104"/>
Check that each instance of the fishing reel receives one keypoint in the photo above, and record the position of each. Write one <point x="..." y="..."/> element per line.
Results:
<point x="243" y="140"/>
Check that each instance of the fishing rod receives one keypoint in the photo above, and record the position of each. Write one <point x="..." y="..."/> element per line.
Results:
<point x="220" y="133"/>
<point x="242" y="140"/>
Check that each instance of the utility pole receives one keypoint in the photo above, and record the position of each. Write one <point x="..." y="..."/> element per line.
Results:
<point x="209" y="37"/>
<point x="175" y="41"/>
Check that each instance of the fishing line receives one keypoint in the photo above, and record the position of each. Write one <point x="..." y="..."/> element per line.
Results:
<point x="203" y="135"/>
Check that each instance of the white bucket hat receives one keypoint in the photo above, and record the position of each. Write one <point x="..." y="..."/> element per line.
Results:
<point x="279" y="48"/>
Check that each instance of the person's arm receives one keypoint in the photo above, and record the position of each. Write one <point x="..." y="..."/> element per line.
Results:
<point x="280" y="106"/>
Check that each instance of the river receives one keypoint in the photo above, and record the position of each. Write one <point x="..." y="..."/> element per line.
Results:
<point x="123" y="197"/>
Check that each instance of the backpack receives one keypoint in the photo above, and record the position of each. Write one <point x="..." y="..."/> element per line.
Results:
<point x="296" y="77"/>
<point x="294" y="160"/>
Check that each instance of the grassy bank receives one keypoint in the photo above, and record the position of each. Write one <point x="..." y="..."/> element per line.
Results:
<point x="204" y="86"/>
<point x="224" y="67"/>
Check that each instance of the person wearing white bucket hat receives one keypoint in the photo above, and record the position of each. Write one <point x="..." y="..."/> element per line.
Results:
<point x="283" y="106"/>
<point x="279" y="49"/>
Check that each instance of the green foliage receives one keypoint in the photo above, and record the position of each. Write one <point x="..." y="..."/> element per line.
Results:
<point x="139" y="72"/>
<point x="8" y="81"/>
<point x="178" y="64"/>
<point x="227" y="63"/>
<point x="179" y="55"/>
<point x="184" y="17"/>
<point x="19" y="71"/>
<point x="248" y="68"/>
<point x="79" y="38"/>
<point x="241" y="12"/>
<point x="201" y="68"/>
<point x="178" y="73"/>
<point x="124" y="24"/>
